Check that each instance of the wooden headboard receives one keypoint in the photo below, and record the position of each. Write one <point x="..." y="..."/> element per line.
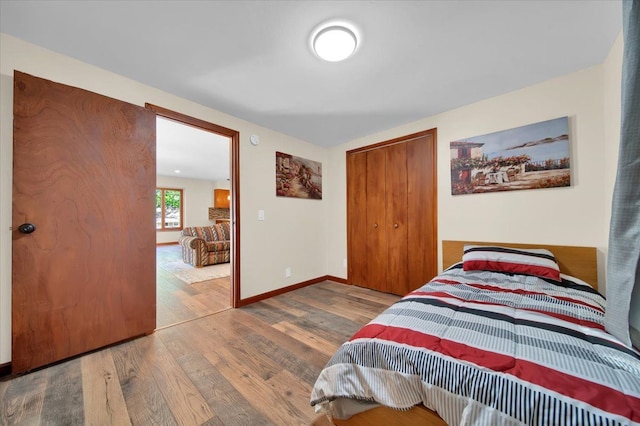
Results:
<point x="580" y="262"/>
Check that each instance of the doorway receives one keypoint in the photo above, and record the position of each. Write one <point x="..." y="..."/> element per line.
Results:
<point x="185" y="293"/>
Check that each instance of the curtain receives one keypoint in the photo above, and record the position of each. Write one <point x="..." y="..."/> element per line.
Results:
<point x="623" y="263"/>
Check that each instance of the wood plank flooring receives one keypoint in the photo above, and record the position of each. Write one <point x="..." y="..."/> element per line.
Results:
<point x="178" y="301"/>
<point x="250" y="366"/>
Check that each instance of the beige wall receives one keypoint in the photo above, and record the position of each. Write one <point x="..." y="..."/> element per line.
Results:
<point x="575" y="215"/>
<point x="292" y="233"/>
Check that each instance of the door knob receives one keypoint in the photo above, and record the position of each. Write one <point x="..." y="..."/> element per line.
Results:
<point x="27" y="228"/>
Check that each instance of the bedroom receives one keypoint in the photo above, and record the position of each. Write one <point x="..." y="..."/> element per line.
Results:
<point x="582" y="216"/>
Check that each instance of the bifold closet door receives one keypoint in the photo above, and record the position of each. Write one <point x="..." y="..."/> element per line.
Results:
<point x="378" y="219"/>
<point x="367" y="259"/>
<point x="392" y="214"/>
<point x="395" y="203"/>
<point x="376" y="235"/>
<point x="422" y="229"/>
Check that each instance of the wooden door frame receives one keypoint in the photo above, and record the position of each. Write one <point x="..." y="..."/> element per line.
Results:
<point x="234" y="136"/>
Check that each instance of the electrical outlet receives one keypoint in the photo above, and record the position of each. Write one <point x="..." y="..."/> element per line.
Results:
<point x="260" y="214"/>
<point x="287" y="272"/>
<point x="344" y="263"/>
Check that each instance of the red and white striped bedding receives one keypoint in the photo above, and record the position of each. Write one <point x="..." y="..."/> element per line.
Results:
<point x="483" y="347"/>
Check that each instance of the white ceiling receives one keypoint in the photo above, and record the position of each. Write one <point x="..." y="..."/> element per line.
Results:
<point x="251" y="59"/>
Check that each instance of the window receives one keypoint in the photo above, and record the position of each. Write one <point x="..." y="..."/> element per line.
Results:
<point x="168" y="209"/>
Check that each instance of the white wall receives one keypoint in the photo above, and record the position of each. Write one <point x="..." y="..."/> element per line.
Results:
<point x="197" y="198"/>
<point x="572" y="215"/>
<point x="291" y="234"/>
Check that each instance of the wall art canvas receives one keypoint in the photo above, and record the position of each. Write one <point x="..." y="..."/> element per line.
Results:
<point x="298" y="177"/>
<point x="528" y="157"/>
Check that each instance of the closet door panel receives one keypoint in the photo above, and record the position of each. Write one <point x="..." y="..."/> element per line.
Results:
<point x="376" y="221"/>
<point x="357" y="218"/>
<point x="422" y="209"/>
<point x="396" y="214"/>
<point x="392" y="214"/>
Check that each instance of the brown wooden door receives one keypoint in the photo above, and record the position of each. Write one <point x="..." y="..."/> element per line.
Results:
<point x="357" y="226"/>
<point x="84" y="175"/>
<point x="376" y="231"/>
<point x="422" y="244"/>
<point x="396" y="210"/>
<point x="392" y="214"/>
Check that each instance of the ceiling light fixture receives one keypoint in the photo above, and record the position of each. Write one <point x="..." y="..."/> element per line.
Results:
<point x="334" y="41"/>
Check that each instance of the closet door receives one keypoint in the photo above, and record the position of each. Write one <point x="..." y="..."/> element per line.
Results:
<point x="392" y="214"/>
<point x="396" y="213"/>
<point x="376" y="232"/>
<point x="422" y="228"/>
<point x="357" y="228"/>
<point x="378" y="229"/>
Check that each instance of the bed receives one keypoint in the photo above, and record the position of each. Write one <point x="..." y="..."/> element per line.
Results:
<point x="516" y="338"/>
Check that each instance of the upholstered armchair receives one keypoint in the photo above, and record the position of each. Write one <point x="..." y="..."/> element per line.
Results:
<point x="206" y="245"/>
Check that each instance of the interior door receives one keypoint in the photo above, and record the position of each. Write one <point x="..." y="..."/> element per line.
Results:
<point x="84" y="177"/>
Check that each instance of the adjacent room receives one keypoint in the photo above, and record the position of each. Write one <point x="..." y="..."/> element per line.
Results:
<point x="320" y="213"/>
<point x="193" y="200"/>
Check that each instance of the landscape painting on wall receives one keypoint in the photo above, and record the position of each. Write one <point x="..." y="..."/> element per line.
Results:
<point x="298" y="177"/>
<point x="528" y="157"/>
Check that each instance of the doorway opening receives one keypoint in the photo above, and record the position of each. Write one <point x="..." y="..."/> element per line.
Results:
<point x="196" y="187"/>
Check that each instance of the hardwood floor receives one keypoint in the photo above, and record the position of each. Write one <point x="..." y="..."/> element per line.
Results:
<point x="178" y="301"/>
<point x="249" y="366"/>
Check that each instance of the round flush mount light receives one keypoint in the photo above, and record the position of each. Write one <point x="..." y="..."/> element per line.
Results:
<point x="334" y="41"/>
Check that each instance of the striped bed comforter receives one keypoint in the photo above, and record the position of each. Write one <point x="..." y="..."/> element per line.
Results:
<point x="488" y="348"/>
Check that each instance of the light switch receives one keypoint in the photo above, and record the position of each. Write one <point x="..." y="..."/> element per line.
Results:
<point x="260" y="214"/>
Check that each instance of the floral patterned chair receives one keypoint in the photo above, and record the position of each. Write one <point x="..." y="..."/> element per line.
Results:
<point x="206" y="245"/>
